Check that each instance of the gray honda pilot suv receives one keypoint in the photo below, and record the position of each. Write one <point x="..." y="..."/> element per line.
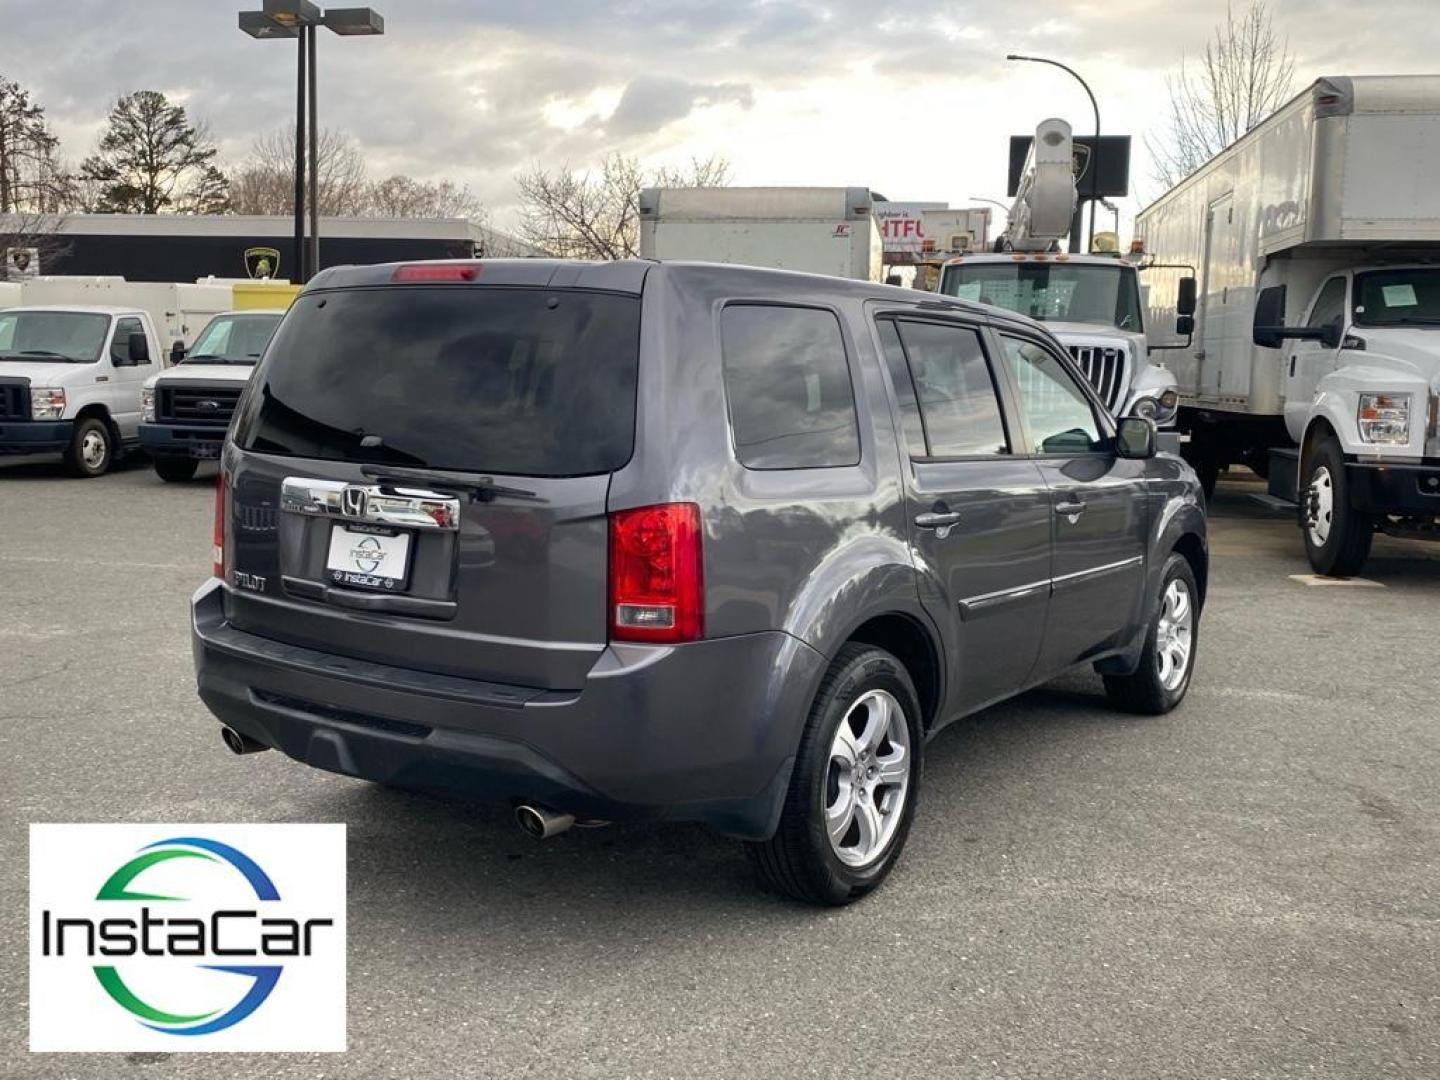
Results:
<point x="680" y="541"/>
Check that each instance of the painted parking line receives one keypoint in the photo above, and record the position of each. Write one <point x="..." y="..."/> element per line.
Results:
<point x="109" y="564"/>
<point x="1337" y="582"/>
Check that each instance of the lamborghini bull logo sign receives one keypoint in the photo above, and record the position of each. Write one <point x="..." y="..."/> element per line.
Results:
<point x="262" y="263"/>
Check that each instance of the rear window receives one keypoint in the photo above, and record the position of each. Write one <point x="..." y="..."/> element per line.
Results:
<point x="788" y="385"/>
<point x="525" y="381"/>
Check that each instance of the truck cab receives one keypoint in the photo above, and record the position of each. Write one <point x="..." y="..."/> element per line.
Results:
<point x="1092" y="303"/>
<point x="71" y="379"/>
<point x="187" y="408"/>
<point x="1362" y="391"/>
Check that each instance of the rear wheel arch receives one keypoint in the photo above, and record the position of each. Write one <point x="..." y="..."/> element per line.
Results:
<point x="912" y="643"/>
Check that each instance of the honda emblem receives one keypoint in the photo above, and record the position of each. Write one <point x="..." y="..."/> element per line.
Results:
<point x="354" y="500"/>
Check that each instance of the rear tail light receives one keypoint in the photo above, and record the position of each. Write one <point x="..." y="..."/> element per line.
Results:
<point x="656" y="586"/>
<point x="217" y="539"/>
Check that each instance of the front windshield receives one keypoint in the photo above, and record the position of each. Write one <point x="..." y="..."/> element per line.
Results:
<point x="234" y="339"/>
<point x="69" y="336"/>
<point x="1398" y="298"/>
<point x="1057" y="292"/>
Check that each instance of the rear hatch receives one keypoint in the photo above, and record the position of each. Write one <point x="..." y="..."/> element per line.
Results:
<point x="422" y="476"/>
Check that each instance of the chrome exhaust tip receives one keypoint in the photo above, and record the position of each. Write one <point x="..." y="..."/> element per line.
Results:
<point x="541" y="822"/>
<point x="241" y="744"/>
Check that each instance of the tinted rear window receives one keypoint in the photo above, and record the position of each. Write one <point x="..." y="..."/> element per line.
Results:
<point x="525" y="381"/>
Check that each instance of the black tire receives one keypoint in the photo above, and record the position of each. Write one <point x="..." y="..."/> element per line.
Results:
<point x="799" y="860"/>
<point x="173" y="469"/>
<point x="1347" y="544"/>
<point x="81" y="459"/>
<point x="1145" y="691"/>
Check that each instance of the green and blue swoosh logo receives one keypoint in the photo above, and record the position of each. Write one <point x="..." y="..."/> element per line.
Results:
<point x="121" y="885"/>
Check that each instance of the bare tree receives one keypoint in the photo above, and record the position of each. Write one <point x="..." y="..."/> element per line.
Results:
<point x="588" y="216"/>
<point x="31" y="180"/>
<point x="1244" y="75"/>
<point x="33" y="184"/>
<point x="406" y="197"/>
<point x="153" y="158"/>
<point x="265" y="184"/>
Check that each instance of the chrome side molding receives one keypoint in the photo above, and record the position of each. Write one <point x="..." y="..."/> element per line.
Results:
<point x="375" y="504"/>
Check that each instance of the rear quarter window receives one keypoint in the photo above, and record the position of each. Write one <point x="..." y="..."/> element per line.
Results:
<point x="787" y="383"/>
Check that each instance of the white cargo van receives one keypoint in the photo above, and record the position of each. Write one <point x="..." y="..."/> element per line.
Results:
<point x="829" y="231"/>
<point x="1316" y="355"/>
<point x="70" y="381"/>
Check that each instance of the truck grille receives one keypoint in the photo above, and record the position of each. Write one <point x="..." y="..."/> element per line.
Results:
<point x="14" y="399"/>
<point x="1104" y="367"/>
<point x="186" y="403"/>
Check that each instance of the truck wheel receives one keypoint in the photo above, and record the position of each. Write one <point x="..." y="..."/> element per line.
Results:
<point x="91" y="448"/>
<point x="856" y="781"/>
<point x="1168" y="659"/>
<point x="171" y="469"/>
<point x="1337" y="538"/>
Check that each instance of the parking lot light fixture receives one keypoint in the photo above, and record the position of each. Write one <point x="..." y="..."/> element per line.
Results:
<point x="292" y="13"/>
<point x="354" y="22"/>
<point x="259" y="25"/>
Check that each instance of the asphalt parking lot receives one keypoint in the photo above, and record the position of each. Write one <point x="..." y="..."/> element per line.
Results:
<point x="1249" y="887"/>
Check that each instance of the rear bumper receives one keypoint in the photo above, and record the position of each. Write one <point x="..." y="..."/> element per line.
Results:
<point x="181" y="440"/>
<point x="702" y="732"/>
<point x="1395" y="489"/>
<point x="35" y="436"/>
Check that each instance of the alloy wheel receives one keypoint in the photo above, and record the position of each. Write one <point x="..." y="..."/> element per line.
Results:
<point x="868" y="779"/>
<point x="1175" y="634"/>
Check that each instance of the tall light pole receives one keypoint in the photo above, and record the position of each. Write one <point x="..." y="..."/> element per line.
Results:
<point x="301" y="19"/>
<point x="1094" y="156"/>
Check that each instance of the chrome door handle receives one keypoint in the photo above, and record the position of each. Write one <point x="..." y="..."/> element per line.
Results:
<point x="1069" y="508"/>
<point x="934" y="520"/>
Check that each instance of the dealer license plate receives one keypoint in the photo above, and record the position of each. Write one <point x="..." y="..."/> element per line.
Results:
<point x="364" y="559"/>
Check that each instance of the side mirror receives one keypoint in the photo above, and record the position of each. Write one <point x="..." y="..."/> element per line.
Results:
<point x="1270" y="332"/>
<point x="1185" y="299"/>
<point x="139" y="350"/>
<point x="1268" y="328"/>
<point x="1135" y="438"/>
<point x="177" y="352"/>
<point x="1185" y="324"/>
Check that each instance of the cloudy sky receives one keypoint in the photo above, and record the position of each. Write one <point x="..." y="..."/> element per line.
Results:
<point x="913" y="99"/>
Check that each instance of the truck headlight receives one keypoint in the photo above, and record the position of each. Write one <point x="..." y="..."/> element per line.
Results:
<point x="1160" y="409"/>
<point x="147" y="405"/>
<point x="1384" y="419"/>
<point x="46" y="403"/>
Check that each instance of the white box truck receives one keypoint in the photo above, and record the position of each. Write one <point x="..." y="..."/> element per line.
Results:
<point x="1316" y="352"/>
<point x="177" y="311"/>
<point x="814" y="230"/>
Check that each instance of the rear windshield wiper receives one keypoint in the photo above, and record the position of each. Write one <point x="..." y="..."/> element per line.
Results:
<point x="479" y="488"/>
